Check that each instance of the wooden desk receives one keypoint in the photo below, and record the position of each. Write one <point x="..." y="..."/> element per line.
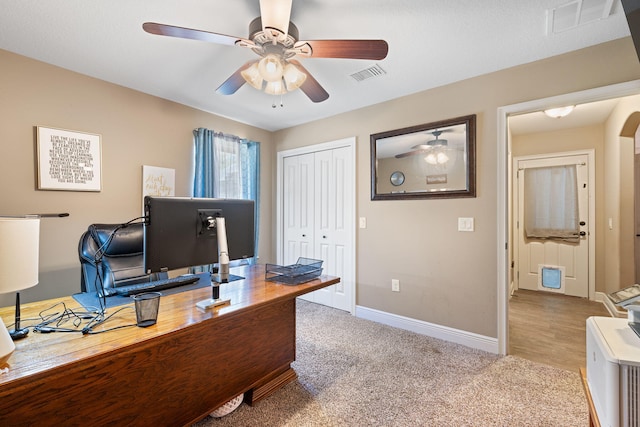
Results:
<point x="173" y="373"/>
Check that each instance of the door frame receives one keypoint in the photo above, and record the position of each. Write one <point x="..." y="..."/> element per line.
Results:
<point x="590" y="153"/>
<point x="349" y="143"/>
<point x="503" y="178"/>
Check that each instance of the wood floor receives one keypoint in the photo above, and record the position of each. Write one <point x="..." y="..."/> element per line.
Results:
<point x="550" y="328"/>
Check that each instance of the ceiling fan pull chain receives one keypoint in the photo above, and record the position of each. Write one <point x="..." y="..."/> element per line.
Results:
<point x="273" y="105"/>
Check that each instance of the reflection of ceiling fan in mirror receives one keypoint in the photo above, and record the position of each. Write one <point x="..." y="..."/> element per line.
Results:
<point x="436" y="151"/>
<point x="276" y="41"/>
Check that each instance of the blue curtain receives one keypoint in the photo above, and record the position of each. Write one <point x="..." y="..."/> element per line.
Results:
<point x="203" y="162"/>
<point x="227" y="166"/>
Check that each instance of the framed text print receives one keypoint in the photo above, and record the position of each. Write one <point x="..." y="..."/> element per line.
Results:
<point x="68" y="160"/>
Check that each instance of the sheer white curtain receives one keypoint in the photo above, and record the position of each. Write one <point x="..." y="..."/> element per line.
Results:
<point x="226" y="156"/>
<point x="551" y="203"/>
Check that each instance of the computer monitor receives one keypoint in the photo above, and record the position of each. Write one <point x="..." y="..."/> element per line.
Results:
<point x="181" y="232"/>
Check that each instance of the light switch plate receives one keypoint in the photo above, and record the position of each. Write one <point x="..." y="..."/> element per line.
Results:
<point x="363" y="222"/>
<point x="465" y="224"/>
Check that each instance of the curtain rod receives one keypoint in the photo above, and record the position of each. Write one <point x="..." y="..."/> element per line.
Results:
<point x="540" y="167"/>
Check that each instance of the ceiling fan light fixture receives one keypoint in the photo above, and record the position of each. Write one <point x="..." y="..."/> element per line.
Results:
<point x="252" y="76"/>
<point x="438" y="158"/>
<point x="271" y="68"/>
<point x="293" y="77"/>
<point x="275" y="88"/>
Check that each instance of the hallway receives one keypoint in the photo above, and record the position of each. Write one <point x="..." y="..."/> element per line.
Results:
<point x="550" y="328"/>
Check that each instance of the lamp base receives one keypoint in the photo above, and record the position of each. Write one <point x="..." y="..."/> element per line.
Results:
<point x="19" y="334"/>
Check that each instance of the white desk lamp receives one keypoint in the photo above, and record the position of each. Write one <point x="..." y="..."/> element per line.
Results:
<point x="19" y="252"/>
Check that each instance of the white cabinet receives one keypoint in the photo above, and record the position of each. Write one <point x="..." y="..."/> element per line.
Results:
<point x="613" y="371"/>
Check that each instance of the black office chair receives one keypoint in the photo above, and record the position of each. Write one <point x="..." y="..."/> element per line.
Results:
<point x="112" y="255"/>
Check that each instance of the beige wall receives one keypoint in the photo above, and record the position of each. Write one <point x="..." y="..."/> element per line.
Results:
<point x="584" y="138"/>
<point x="136" y="130"/>
<point x="620" y="271"/>
<point x="447" y="277"/>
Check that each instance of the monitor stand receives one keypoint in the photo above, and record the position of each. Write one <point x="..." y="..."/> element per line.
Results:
<point x="223" y="268"/>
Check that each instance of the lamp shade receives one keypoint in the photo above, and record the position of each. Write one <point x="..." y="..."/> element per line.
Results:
<point x="293" y="77"/>
<point x="19" y="252"/>
<point x="270" y="68"/>
<point x="252" y="76"/>
<point x="275" y="88"/>
<point x="6" y="343"/>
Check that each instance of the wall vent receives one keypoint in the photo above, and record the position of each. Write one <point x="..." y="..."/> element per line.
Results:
<point x="576" y="13"/>
<point x="368" y="73"/>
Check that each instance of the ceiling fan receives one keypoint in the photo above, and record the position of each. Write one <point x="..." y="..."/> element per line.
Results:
<point x="276" y="40"/>
<point x="428" y="147"/>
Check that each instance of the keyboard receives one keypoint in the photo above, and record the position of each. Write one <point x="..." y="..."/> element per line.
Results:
<point x="156" y="285"/>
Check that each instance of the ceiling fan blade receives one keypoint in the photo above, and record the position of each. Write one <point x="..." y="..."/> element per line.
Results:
<point x="275" y="15"/>
<point x="411" y="153"/>
<point x="348" y="49"/>
<point x="311" y="87"/>
<point x="234" y="82"/>
<point x="189" y="33"/>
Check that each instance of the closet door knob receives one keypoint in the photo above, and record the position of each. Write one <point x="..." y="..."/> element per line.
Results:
<point x="324" y="237"/>
<point x="304" y="235"/>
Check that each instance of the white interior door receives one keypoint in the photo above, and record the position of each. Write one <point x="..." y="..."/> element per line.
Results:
<point x="298" y="226"/>
<point x="571" y="260"/>
<point x="333" y="218"/>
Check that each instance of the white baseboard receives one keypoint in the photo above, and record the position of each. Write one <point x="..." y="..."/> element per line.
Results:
<point x="446" y="333"/>
<point x="610" y="306"/>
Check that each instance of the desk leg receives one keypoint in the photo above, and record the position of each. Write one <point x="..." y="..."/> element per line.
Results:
<point x="270" y="385"/>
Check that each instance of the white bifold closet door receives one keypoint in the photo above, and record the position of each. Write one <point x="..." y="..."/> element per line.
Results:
<point x="318" y="218"/>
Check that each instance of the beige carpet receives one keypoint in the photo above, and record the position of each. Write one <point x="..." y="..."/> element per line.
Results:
<point x="353" y="372"/>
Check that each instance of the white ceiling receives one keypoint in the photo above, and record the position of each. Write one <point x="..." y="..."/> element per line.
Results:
<point x="431" y="43"/>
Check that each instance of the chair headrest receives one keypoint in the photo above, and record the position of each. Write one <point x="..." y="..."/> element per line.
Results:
<point x="126" y="240"/>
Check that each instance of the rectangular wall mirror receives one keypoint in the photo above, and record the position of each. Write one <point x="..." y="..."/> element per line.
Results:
<point x="433" y="160"/>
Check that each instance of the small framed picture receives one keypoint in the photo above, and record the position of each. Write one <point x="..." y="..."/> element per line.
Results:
<point x="68" y="160"/>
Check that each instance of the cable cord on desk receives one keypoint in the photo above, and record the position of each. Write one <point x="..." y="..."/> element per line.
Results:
<point x="55" y="322"/>
<point x="89" y="328"/>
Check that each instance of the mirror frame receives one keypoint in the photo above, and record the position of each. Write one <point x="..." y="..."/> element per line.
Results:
<point x="470" y="151"/>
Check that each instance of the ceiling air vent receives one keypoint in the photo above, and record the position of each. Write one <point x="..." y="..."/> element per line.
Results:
<point x="576" y="13"/>
<point x="367" y="73"/>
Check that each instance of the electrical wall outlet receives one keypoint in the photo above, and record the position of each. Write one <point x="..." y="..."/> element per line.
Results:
<point x="395" y="285"/>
